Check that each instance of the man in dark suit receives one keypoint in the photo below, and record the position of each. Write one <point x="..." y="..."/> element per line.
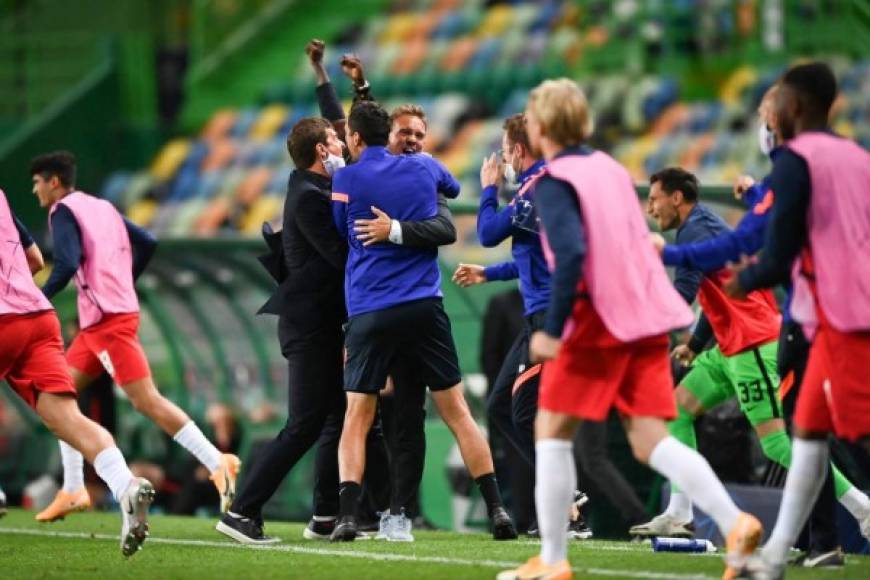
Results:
<point x="311" y="309"/>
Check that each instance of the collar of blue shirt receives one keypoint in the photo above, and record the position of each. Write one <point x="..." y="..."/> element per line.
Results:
<point x="532" y="170"/>
<point x="373" y="152"/>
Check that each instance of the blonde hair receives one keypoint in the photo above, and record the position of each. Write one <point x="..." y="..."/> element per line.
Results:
<point x="561" y="107"/>
<point x="409" y="109"/>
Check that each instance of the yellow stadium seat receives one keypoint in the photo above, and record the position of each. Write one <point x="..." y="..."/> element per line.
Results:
<point x="267" y="124"/>
<point x="737" y="83"/>
<point x="845" y="128"/>
<point x="637" y="152"/>
<point x="399" y="27"/>
<point x="142" y="212"/>
<point x="497" y="19"/>
<point x="170" y="159"/>
<point x="264" y="209"/>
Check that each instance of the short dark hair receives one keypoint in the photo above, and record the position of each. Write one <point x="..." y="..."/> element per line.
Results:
<point x="675" y="178"/>
<point x="515" y="127"/>
<point x="303" y="137"/>
<point x="60" y="164"/>
<point x="815" y="83"/>
<point x="371" y="121"/>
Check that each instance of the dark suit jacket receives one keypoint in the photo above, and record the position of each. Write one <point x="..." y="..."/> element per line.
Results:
<point x="311" y="294"/>
<point x="312" y="291"/>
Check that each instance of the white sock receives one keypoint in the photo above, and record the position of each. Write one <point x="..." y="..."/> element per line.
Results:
<point x="556" y="480"/>
<point x="73" y="467"/>
<point x="857" y="502"/>
<point x="680" y="507"/>
<point x="192" y="439"/>
<point x="112" y="468"/>
<point x="802" y="486"/>
<point x="689" y="471"/>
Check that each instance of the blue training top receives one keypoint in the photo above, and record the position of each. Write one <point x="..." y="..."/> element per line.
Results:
<point x="529" y="264"/>
<point x="406" y="187"/>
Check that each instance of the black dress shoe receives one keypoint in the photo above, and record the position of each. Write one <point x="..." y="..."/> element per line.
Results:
<point x="502" y="526"/>
<point x="244" y="530"/>
<point x="345" y="530"/>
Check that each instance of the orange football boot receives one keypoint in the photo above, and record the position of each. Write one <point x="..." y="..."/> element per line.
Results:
<point x="65" y="503"/>
<point x="535" y="569"/>
<point x="224" y="479"/>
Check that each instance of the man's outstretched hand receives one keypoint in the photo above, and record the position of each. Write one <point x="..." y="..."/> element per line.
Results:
<point x="352" y="66"/>
<point x="315" y="49"/>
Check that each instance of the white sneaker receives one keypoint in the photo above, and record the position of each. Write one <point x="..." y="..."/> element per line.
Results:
<point x="757" y="568"/>
<point x="663" y="525"/>
<point x="134" y="515"/>
<point x="400" y="529"/>
<point x="384" y="526"/>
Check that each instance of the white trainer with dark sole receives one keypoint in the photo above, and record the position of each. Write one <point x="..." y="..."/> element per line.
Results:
<point x="134" y="515"/>
<point x="663" y="525"/>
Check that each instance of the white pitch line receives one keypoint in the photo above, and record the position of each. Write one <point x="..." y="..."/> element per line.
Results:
<point x="354" y="554"/>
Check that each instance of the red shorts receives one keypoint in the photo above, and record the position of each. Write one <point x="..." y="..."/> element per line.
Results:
<point x="31" y="355"/>
<point x="111" y="345"/>
<point x="587" y="381"/>
<point x="835" y="393"/>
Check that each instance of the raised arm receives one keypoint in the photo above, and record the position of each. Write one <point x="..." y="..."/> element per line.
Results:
<point x="493" y="226"/>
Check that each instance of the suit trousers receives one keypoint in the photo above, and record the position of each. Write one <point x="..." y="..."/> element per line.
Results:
<point x="315" y="414"/>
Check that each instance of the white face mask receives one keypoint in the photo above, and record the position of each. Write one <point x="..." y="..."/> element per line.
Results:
<point x="766" y="139"/>
<point x="332" y="164"/>
<point x="510" y="175"/>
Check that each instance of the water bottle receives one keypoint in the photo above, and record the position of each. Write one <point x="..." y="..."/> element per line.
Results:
<point x="682" y="545"/>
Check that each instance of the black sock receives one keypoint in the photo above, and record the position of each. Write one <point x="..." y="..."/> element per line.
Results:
<point x="489" y="490"/>
<point x="348" y="497"/>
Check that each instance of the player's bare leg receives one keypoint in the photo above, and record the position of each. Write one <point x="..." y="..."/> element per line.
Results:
<point x="146" y="399"/>
<point x="73" y="495"/>
<point x="61" y="415"/>
<point x="653" y="445"/>
<point x="224" y="467"/>
<point x="476" y="455"/>
<point x="802" y="487"/>
<point x="358" y="419"/>
<point x="555" y="482"/>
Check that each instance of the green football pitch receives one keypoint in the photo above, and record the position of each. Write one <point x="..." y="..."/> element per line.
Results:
<point x="86" y="546"/>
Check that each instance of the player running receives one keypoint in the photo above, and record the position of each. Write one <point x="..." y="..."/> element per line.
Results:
<point x="743" y="362"/>
<point x="513" y="400"/>
<point x="105" y="253"/>
<point x="819" y="229"/>
<point x="605" y="338"/>
<point x="712" y="255"/>
<point x="32" y="362"/>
